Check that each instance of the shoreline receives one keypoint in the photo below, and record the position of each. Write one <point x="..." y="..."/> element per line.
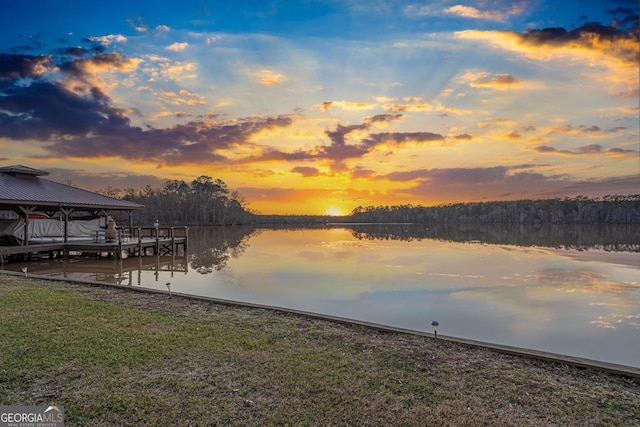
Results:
<point x="111" y="356"/>
<point x="575" y="361"/>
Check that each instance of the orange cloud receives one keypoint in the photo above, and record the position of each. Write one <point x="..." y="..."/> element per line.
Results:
<point x="347" y="105"/>
<point x="270" y="78"/>
<point x="498" y="81"/>
<point x="407" y="107"/>
<point x="88" y="74"/>
<point x="383" y="99"/>
<point x="185" y="97"/>
<point x="177" y="47"/>
<point x="158" y="68"/>
<point x="592" y="44"/>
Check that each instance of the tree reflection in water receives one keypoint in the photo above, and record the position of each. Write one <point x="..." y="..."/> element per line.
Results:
<point x="614" y="238"/>
<point x="210" y="248"/>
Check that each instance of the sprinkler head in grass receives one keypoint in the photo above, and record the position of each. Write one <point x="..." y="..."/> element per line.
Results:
<point x="24" y="270"/>
<point x="434" y="326"/>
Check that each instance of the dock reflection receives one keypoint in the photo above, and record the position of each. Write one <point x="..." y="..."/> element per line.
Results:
<point x="128" y="271"/>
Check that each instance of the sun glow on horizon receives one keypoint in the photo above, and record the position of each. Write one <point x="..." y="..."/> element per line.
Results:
<point x="333" y="211"/>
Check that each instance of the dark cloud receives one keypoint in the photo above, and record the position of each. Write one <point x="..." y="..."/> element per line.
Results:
<point x="360" y="172"/>
<point x="514" y="135"/>
<point x="339" y="150"/>
<point x="623" y="151"/>
<point x="338" y="153"/>
<point x="590" y="149"/>
<point x="383" y="118"/>
<point x="546" y="35"/>
<point x="45" y="111"/>
<point x="306" y="171"/>
<point x="584" y="129"/>
<point x="84" y="122"/>
<point x="557" y="35"/>
<point x="585" y="149"/>
<point x="471" y="184"/>
<point x="93" y="46"/>
<point x="544" y="149"/>
<point x="405" y="176"/>
<point x="76" y="51"/>
<point x="337" y="136"/>
<point x="77" y="67"/>
<point x="18" y="66"/>
<point x="452" y="175"/>
<point x="498" y="79"/>
<point x="401" y="138"/>
<point x="194" y="142"/>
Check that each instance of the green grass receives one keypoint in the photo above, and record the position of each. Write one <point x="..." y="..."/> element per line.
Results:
<point x="118" y="357"/>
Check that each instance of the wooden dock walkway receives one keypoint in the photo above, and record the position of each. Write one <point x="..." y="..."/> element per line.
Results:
<point x="140" y="242"/>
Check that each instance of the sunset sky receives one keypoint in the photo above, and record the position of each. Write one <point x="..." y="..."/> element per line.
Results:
<point x="320" y="106"/>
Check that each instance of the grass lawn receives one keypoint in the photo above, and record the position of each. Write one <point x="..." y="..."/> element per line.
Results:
<point x="114" y="357"/>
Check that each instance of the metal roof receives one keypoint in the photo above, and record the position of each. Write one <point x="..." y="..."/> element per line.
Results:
<point x="23" y="170"/>
<point x="22" y="186"/>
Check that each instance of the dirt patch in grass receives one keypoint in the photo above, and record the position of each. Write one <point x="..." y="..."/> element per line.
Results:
<point x="117" y="357"/>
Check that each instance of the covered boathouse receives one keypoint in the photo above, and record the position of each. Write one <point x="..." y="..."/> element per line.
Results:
<point x="42" y="216"/>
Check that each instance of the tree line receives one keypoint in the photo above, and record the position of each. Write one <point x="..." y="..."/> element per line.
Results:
<point x="208" y="201"/>
<point x="574" y="210"/>
<point x="205" y="201"/>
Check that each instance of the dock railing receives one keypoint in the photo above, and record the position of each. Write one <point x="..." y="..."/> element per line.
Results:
<point x="159" y="232"/>
<point x="163" y="237"/>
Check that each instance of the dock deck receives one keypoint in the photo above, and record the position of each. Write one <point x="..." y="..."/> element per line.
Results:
<point x="157" y="241"/>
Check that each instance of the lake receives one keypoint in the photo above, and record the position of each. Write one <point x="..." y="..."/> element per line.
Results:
<point x="574" y="291"/>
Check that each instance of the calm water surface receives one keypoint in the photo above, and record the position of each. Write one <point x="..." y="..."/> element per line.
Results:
<point x="581" y="299"/>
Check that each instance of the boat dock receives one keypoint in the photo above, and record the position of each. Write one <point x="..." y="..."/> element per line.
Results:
<point x="139" y="241"/>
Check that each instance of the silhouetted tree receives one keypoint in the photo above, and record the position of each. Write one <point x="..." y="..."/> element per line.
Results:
<point x="205" y="202"/>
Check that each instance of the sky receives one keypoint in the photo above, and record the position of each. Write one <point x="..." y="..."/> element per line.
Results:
<point x="321" y="106"/>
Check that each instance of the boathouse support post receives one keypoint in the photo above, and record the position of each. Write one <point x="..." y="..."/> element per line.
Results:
<point x="119" y="249"/>
<point x="130" y="215"/>
<point x="26" y="210"/>
<point x="66" y="212"/>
